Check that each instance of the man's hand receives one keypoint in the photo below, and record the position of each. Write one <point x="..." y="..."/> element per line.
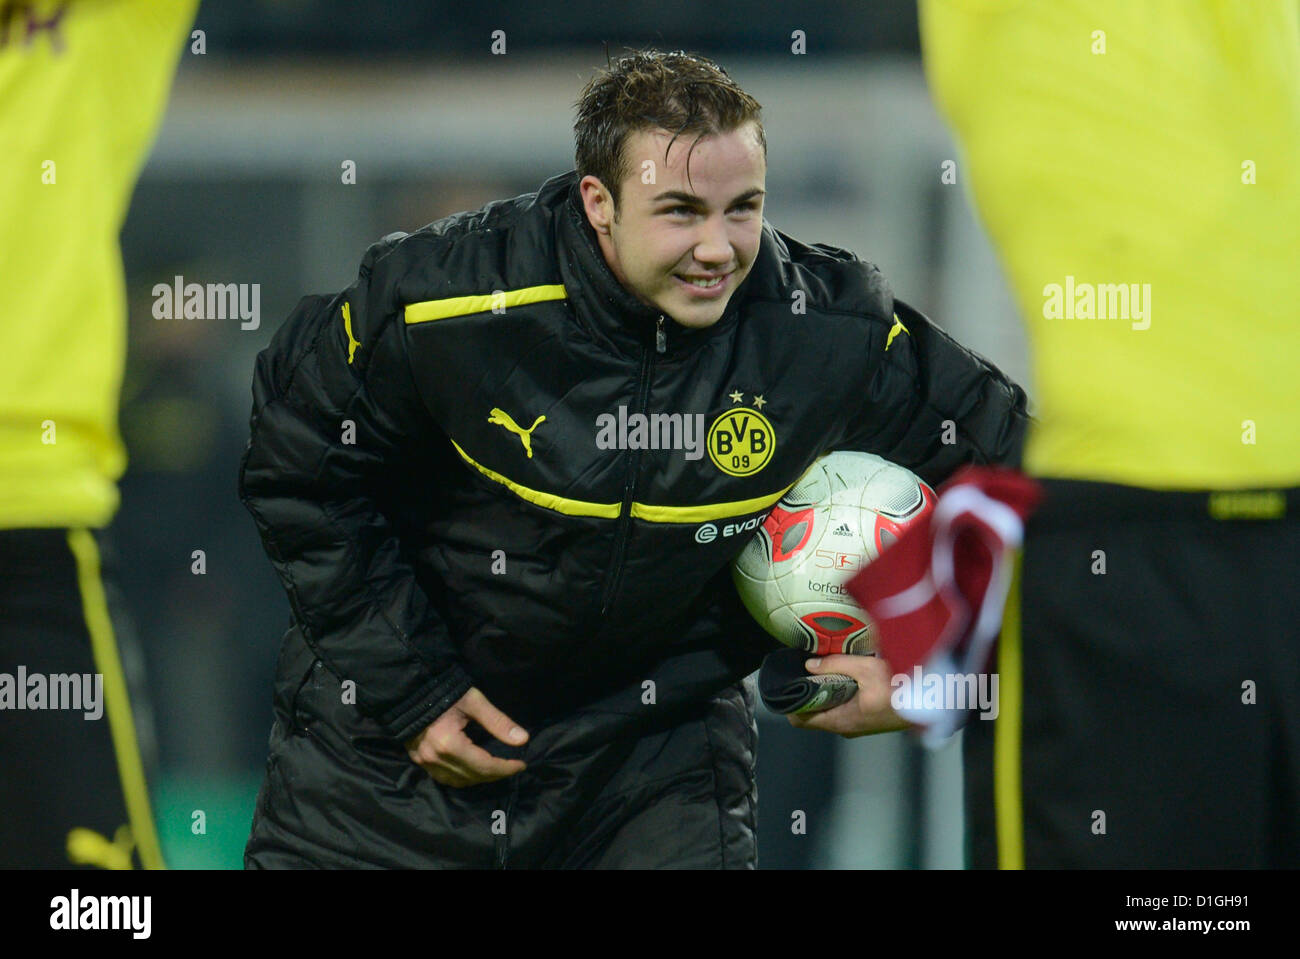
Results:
<point x="451" y="758"/>
<point x="866" y="713"/>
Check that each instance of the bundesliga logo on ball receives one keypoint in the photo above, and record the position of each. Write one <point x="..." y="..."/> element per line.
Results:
<point x="839" y="516"/>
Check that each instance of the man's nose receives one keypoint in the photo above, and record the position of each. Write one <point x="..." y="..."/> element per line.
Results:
<point x="713" y="248"/>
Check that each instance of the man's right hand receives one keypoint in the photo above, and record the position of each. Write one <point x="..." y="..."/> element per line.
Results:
<point x="451" y="758"/>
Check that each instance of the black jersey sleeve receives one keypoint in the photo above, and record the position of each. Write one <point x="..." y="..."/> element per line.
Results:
<point x="932" y="405"/>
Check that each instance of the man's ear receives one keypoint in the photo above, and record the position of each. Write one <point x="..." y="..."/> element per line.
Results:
<point x="598" y="203"/>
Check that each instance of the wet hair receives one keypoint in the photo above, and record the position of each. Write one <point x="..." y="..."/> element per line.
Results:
<point x="680" y="92"/>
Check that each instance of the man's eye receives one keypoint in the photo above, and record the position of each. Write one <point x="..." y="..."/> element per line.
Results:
<point x="747" y="207"/>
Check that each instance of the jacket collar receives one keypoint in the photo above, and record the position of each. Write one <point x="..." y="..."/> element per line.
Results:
<point x="607" y="309"/>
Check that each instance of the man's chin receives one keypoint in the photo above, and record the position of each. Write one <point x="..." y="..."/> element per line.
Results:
<point x="693" y="317"/>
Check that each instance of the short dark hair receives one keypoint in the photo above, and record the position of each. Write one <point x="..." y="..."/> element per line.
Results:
<point x="648" y="90"/>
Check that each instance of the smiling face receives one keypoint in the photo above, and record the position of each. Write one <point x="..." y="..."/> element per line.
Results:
<point x="672" y="230"/>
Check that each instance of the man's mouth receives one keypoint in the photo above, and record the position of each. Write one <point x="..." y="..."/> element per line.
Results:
<point x="708" y="281"/>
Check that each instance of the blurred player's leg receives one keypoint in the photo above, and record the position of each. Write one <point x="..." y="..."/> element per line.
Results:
<point x="74" y="792"/>
<point x="1154" y="719"/>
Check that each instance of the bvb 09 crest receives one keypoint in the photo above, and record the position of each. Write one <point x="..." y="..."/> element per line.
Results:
<point x="741" y="441"/>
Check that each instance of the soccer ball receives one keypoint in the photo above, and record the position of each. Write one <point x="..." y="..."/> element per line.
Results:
<point x="838" y="517"/>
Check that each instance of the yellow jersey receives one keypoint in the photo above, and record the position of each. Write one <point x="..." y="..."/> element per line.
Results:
<point x="1137" y="165"/>
<point x="83" y="86"/>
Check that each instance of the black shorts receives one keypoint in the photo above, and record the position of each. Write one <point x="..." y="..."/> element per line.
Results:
<point x="1149" y="714"/>
<point x="613" y="785"/>
<point x="73" y="792"/>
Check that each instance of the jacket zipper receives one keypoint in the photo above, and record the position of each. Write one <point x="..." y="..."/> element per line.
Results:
<point x="503" y="841"/>
<point x="625" y="513"/>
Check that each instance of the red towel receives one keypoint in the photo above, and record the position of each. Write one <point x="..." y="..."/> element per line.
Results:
<point x="936" y="595"/>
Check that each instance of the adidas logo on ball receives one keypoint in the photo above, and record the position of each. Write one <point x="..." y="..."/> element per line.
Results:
<point x="842" y="530"/>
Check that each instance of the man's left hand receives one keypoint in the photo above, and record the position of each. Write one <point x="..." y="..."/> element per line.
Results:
<point x="866" y="713"/>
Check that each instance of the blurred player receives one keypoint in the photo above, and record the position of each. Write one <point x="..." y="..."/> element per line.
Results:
<point x="498" y="477"/>
<point x="1137" y="165"/>
<point x="83" y="88"/>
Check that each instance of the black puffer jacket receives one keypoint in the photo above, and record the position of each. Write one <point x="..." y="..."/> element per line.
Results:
<point x="433" y="484"/>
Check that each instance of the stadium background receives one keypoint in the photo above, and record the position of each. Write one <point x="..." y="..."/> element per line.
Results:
<point x="245" y="186"/>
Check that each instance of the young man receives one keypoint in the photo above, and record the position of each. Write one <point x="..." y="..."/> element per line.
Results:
<point x="502" y="475"/>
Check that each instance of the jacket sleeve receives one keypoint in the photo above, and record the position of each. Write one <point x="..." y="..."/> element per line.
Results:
<point x="933" y="406"/>
<point x="336" y="416"/>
